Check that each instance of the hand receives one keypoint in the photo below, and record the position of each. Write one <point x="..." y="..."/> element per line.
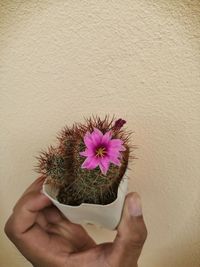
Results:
<point x="47" y="239"/>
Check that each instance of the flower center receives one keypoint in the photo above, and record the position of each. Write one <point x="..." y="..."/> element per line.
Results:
<point x="100" y="152"/>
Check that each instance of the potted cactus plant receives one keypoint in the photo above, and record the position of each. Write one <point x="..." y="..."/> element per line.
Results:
<point x="86" y="173"/>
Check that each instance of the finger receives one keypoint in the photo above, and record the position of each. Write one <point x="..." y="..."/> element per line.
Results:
<point x="131" y="232"/>
<point x="25" y="212"/>
<point x="52" y="221"/>
<point x="36" y="185"/>
<point x="53" y="215"/>
<point x="49" y="215"/>
<point x="74" y="233"/>
<point x="48" y="220"/>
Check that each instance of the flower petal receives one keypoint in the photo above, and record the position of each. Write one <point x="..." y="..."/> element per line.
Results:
<point x="83" y="153"/>
<point x="104" y="165"/>
<point x="90" y="163"/>
<point x="87" y="153"/>
<point x="120" y="156"/>
<point x="85" y="163"/>
<point x="122" y="148"/>
<point x="88" y="140"/>
<point x="113" y="152"/>
<point x="97" y="131"/>
<point x="106" y="137"/>
<point x="93" y="163"/>
<point x="115" y="161"/>
<point x="116" y="143"/>
<point x="96" y="137"/>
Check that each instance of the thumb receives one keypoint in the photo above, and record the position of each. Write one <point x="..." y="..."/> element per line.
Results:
<point x="131" y="232"/>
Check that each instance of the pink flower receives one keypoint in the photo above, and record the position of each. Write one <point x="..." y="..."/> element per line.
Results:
<point x="101" y="150"/>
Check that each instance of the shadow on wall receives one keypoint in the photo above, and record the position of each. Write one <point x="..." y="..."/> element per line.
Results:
<point x="10" y="10"/>
<point x="178" y="10"/>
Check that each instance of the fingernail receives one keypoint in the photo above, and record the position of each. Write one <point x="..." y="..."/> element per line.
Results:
<point x="135" y="205"/>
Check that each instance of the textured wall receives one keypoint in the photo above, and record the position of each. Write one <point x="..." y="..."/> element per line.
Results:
<point x="62" y="60"/>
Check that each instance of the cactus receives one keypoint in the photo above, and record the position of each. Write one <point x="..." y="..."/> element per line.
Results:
<point x="63" y="166"/>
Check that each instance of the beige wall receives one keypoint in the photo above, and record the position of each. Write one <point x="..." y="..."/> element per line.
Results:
<point x="62" y="60"/>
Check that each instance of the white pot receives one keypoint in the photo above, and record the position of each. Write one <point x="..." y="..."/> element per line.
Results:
<point x="107" y="216"/>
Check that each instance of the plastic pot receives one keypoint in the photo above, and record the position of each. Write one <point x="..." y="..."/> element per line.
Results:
<point x="107" y="216"/>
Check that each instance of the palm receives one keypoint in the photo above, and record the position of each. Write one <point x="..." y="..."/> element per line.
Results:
<point x="56" y="238"/>
<point x="66" y="242"/>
